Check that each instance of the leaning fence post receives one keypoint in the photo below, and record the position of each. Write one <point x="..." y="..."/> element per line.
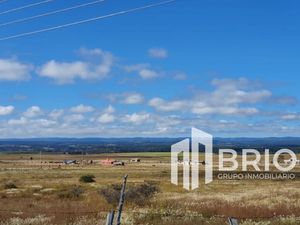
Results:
<point x="110" y="218"/>
<point x="122" y="199"/>
<point x="233" y="221"/>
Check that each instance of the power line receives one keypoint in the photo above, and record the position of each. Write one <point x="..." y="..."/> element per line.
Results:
<point x="25" y="7"/>
<point x="87" y="20"/>
<point x="50" y="13"/>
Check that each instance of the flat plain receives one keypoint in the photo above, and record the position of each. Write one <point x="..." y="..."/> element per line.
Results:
<point x="39" y="189"/>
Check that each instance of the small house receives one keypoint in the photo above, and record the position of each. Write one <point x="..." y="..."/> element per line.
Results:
<point x="107" y="162"/>
<point x="118" y="163"/>
<point x="135" y="160"/>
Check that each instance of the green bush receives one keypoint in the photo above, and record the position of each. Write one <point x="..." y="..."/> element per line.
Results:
<point x="87" y="178"/>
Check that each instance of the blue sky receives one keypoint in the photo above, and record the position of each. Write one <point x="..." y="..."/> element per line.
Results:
<point x="229" y="67"/>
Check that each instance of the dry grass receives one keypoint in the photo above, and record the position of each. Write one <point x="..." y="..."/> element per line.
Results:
<point x="37" y="199"/>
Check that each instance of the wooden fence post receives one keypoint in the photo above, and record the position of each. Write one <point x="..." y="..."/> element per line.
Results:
<point x="110" y="218"/>
<point x="122" y="199"/>
<point x="233" y="221"/>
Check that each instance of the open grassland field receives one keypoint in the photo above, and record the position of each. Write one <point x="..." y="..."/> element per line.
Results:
<point x="47" y="193"/>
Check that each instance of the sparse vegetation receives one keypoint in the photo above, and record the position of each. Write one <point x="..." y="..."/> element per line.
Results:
<point x="139" y="194"/>
<point x="10" y="184"/>
<point x="89" y="178"/>
<point x="111" y="194"/>
<point x="61" y="199"/>
<point x="73" y="192"/>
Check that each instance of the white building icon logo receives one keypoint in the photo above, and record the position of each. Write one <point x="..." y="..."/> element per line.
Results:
<point x="191" y="159"/>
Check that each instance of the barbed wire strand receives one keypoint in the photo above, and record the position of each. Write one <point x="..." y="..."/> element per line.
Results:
<point x="169" y="214"/>
<point x="87" y="20"/>
<point x="50" y="13"/>
<point x="25" y="7"/>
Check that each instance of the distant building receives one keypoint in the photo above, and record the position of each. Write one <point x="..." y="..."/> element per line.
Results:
<point x="290" y="161"/>
<point x="69" y="162"/>
<point x="135" y="160"/>
<point x="107" y="162"/>
<point x="111" y="162"/>
<point x="118" y="163"/>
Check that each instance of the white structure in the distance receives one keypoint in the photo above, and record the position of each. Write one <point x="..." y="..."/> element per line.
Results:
<point x="290" y="161"/>
<point x="190" y="162"/>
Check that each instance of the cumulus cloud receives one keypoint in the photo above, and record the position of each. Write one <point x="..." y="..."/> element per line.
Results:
<point x="136" y="118"/>
<point x="73" y="118"/>
<point x="35" y="124"/>
<point x="56" y="113"/>
<point x="217" y="109"/>
<point x="107" y="115"/>
<point x="136" y="67"/>
<point x="234" y="91"/>
<point x="225" y="110"/>
<point x="132" y="98"/>
<point x="82" y="109"/>
<point x="230" y="97"/>
<point x="106" y="118"/>
<point x="148" y="74"/>
<point x="109" y="109"/>
<point x="13" y="70"/>
<point x="291" y="116"/>
<point x="129" y="98"/>
<point x="143" y="70"/>
<point x="89" y="69"/>
<point x="180" y="76"/>
<point x="167" y="106"/>
<point x="159" y="53"/>
<point x="21" y="121"/>
<point x="6" y="110"/>
<point x="33" y="111"/>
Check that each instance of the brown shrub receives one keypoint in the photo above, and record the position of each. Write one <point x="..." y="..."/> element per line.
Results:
<point x="71" y="193"/>
<point x="139" y="194"/>
<point x="10" y="184"/>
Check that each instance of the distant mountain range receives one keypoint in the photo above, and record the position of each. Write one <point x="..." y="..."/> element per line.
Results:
<point x="109" y="145"/>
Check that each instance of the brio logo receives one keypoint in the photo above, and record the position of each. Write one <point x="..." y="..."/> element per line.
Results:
<point x="191" y="163"/>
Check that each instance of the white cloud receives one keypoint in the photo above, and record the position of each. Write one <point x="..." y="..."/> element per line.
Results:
<point x="73" y="118"/>
<point x="129" y="98"/>
<point x="21" y="121"/>
<point x="292" y="116"/>
<point x="143" y="70"/>
<point x="68" y="72"/>
<point x="106" y="118"/>
<point x="33" y="111"/>
<point x="132" y="98"/>
<point x="230" y="97"/>
<point x="32" y="123"/>
<point x="13" y="70"/>
<point x="159" y="53"/>
<point x="82" y="109"/>
<point x="148" y="74"/>
<point x="231" y="91"/>
<point x="167" y="106"/>
<point x="136" y="118"/>
<point x="107" y="115"/>
<point x="200" y="107"/>
<point x="44" y="122"/>
<point x="136" y="67"/>
<point x="6" y="110"/>
<point x="225" y="110"/>
<point x="110" y="109"/>
<point x="56" y="113"/>
<point x="180" y="76"/>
